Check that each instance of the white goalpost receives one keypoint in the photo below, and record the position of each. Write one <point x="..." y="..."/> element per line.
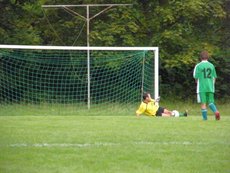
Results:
<point x="112" y="77"/>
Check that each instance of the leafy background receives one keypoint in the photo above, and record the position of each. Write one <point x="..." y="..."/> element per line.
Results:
<point x="181" y="29"/>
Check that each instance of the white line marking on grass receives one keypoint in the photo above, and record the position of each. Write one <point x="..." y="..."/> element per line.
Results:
<point x="105" y="144"/>
<point x="64" y="145"/>
<point x="173" y="143"/>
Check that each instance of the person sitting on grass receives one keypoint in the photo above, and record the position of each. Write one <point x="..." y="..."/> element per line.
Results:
<point x="150" y="107"/>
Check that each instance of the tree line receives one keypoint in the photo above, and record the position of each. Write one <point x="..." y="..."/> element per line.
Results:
<point x="181" y="29"/>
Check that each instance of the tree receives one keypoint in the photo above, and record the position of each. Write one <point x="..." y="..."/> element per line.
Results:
<point x="181" y="29"/>
<point x="18" y="22"/>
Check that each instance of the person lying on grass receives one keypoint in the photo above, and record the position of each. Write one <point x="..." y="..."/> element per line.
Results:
<point x="150" y="107"/>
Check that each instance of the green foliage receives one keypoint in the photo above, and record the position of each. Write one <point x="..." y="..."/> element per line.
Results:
<point x="18" y="23"/>
<point x="181" y="29"/>
<point x="222" y="61"/>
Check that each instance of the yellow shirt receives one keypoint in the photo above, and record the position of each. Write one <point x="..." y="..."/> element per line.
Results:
<point x="149" y="109"/>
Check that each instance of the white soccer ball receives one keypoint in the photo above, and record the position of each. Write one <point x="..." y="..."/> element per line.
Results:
<point x="175" y="113"/>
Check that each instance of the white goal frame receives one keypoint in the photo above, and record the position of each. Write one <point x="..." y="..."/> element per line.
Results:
<point x="88" y="49"/>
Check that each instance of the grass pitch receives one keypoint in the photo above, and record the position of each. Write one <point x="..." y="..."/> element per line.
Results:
<point x="110" y="144"/>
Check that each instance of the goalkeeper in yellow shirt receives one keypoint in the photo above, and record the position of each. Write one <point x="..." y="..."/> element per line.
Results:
<point x="150" y="107"/>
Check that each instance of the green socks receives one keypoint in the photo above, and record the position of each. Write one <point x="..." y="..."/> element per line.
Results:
<point x="204" y="114"/>
<point x="212" y="106"/>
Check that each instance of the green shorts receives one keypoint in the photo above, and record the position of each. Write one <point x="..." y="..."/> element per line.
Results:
<point x="205" y="97"/>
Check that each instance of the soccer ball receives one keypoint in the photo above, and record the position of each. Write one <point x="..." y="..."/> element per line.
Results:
<point x="175" y="113"/>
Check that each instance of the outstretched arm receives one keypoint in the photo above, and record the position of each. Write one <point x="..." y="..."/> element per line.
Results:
<point x="139" y="111"/>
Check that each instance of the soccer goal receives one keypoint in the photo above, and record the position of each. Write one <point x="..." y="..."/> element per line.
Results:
<point x="48" y="80"/>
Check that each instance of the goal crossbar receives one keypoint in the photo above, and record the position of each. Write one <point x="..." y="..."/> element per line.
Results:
<point x="75" y="47"/>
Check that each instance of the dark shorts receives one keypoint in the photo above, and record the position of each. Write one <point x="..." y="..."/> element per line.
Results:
<point x="159" y="112"/>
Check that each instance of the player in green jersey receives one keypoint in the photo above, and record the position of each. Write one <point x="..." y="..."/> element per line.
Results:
<point x="205" y="76"/>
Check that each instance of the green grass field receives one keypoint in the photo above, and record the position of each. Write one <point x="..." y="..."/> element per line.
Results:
<point x="114" y="144"/>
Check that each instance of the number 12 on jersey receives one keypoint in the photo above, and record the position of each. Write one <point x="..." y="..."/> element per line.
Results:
<point x="207" y="72"/>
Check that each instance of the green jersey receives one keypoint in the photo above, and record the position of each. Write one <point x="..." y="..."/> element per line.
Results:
<point x="205" y="74"/>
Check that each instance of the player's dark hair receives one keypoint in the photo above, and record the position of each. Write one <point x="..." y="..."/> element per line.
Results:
<point x="145" y="95"/>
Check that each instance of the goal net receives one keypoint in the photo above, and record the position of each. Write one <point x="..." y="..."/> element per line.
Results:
<point x="53" y="80"/>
